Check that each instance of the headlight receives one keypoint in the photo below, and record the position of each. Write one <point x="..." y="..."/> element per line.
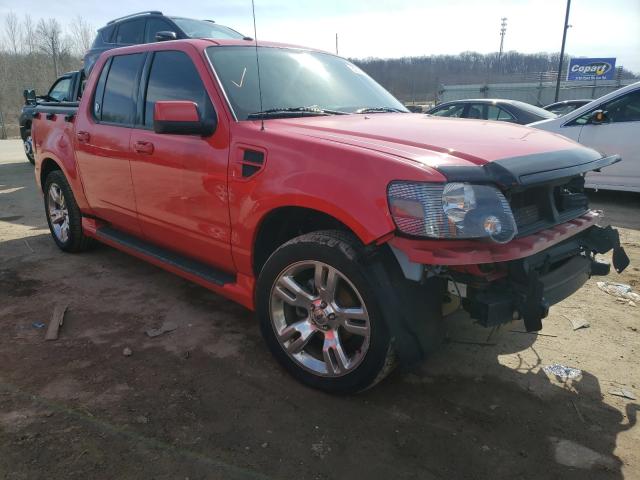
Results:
<point x="451" y="211"/>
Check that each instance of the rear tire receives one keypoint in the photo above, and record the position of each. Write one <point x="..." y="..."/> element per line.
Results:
<point x="320" y="316"/>
<point x="28" y="147"/>
<point x="63" y="215"/>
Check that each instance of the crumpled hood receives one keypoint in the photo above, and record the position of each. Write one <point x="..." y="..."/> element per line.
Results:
<point x="432" y="141"/>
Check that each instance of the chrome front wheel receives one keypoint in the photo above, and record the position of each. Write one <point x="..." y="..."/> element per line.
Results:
<point x="320" y="319"/>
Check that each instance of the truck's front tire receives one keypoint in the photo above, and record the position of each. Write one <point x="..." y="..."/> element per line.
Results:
<point x="63" y="214"/>
<point x="320" y="316"/>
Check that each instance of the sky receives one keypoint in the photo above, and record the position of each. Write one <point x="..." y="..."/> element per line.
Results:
<point x="379" y="28"/>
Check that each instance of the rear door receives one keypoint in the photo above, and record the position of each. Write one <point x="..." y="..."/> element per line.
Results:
<point x="181" y="180"/>
<point x="620" y="134"/>
<point x="102" y="142"/>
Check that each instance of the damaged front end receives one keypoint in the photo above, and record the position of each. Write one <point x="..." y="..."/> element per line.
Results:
<point x="525" y="288"/>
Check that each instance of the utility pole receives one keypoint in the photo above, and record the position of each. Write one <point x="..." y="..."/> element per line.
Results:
<point x="503" y="31"/>
<point x="336" y="44"/>
<point x="564" y="40"/>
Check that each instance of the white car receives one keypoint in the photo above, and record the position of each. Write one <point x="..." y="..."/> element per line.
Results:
<point x="610" y="125"/>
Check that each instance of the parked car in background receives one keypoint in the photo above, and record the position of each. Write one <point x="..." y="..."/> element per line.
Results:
<point x="152" y="26"/>
<point x="610" y="125"/>
<point x="67" y="88"/>
<point x="512" y="111"/>
<point x="566" y="106"/>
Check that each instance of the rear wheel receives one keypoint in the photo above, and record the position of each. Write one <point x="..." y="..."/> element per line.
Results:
<point x="63" y="214"/>
<point x="319" y="315"/>
<point x="28" y="147"/>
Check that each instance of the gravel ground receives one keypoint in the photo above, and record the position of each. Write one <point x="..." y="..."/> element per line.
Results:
<point x="207" y="401"/>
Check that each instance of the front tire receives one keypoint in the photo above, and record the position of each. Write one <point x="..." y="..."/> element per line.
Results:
<point x="63" y="214"/>
<point x="320" y="316"/>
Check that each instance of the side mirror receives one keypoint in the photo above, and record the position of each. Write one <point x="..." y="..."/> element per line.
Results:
<point x="165" y="35"/>
<point x="29" y="96"/>
<point x="181" y="118"/>
<point x="598" y="117"/>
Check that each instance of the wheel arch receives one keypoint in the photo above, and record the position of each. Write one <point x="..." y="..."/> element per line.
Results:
<point x="47" y="166"/>
<point x="283" y="223"/>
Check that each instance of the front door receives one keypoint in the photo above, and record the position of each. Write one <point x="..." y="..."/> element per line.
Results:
<point x="102" y="143"/>
<point x="618" y="135"/>
<point x="180" y="181"/>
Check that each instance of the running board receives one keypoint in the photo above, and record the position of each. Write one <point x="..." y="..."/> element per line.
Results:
<point x="187" y="265"/>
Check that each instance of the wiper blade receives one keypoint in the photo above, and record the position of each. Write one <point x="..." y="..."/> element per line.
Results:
<point x="295" y="112"/>
<point x="379" y="110"/>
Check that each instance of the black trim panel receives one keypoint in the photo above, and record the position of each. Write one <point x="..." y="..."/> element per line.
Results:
<point x="530" y="170"/>
<point x="188" y="265"/>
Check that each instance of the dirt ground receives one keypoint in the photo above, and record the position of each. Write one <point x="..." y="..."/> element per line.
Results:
<point x="207" y="401"/>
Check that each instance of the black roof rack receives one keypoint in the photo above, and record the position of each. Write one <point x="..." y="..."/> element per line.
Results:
<point x="148" y="12"/>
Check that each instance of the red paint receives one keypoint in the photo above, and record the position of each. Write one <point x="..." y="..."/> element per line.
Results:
<point x="175" y="111"/>
<point x="187" y="193"/>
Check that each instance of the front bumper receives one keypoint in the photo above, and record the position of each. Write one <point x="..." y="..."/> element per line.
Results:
<point x="534" y="283"/>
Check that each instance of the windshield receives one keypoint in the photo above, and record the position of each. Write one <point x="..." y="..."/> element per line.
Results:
<point x="292" y="79"/>
<point x="205" y="29"/>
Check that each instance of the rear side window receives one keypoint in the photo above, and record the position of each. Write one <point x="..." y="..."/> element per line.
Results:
<point x="450" y="111"/>
<point x="155" y="25"/>
<point x="174" y="77"/>
<point x="118" y="103"/>
<point x="130" y="32"/>
<point x="496" y="113"/>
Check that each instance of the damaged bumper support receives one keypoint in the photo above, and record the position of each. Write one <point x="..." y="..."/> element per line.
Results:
<point x="526" y="287"/>
<point x="535" y="283"/>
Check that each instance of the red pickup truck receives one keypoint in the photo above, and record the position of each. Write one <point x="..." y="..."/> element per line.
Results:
<point x="287" y="180"/>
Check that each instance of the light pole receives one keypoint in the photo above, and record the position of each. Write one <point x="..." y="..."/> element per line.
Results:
<point x="503" y="31"/>
<point x="564" y="39"/>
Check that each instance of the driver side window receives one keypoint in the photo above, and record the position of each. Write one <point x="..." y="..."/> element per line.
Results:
<point x="450" y="111"/>
<point x="622" y="109"/>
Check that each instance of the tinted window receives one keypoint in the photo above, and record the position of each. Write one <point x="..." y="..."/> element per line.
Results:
<point x="624" y="109"/>
<point x="155" y="25"/>
<point x="97" y="101"/>
<point x="118" y="101"/>
<point x="60" y="90"/>
<point x="204" y="29"/>
<point x="130" y="32"/>
<point x="496" y="113"/>
<point x="174" y="77"/>
<point x="450" y="111"/>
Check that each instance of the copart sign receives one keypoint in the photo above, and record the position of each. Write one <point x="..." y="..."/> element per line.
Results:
<point x="591" y="69"/>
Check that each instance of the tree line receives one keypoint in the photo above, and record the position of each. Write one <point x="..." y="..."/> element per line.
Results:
<point x="420" y="78"/>
<point x="33" y="53"/>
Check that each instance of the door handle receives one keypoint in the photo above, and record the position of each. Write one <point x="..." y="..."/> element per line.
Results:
<point x="143" y="147"/>
<point x="83" y="137"/>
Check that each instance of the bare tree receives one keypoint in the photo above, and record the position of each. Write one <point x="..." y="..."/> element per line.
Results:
<point x="12" y="32"/>
<point x="29" y="40"/>
<point x="81" y="35"/>
<point x="50" y="41"/>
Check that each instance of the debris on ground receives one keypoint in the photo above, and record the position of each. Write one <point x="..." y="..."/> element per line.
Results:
<point x="166" y="327"/>
<point x="578" y="412"/>
<point x="56" y="321"/>
<point x="142" y="419"/>
<point x="577" y="322"/>
<point x="563" y="372"/>
<point x="572" y="454"/>
<point x="623" y="394"/>
<point x="535" y="333"/>
<point x="619" y="290"/>
<point x="38" y="325"/>
<point x="29" y="246"/>
<point x="127" y="352"/>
